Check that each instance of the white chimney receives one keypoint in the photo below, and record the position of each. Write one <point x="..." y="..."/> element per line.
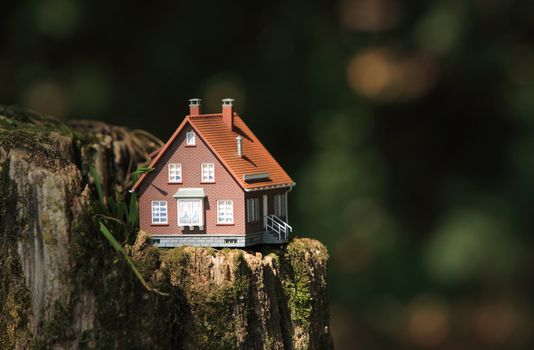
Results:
<point x="239" y="140"/>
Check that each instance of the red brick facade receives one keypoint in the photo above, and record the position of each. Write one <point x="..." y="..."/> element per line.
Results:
<point x="157" y="187"/>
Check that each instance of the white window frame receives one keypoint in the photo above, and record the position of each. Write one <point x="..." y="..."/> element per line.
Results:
<point x="280" y="205"/>
<point x="253" y="210"/>
<point x="190" y="138"/>
<point x="156" y="214"/>
<point x="204" y="172"/>
<point x="200" y="222"/>
<point x="225" y="212"/>
<point x="175" y="172"/>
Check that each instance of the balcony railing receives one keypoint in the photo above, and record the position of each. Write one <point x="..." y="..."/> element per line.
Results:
<point x="278" y="226"/>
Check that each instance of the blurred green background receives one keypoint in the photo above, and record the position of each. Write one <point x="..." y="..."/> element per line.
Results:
<point x="407" y="125"/>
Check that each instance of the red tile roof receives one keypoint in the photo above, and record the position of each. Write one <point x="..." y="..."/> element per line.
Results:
<point x="222" y="141"/>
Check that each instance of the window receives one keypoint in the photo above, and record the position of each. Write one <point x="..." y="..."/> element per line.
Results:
<point x="159" y="212"/>
<point x="225" y="212"/>
<point x="208" y="172"/>
<point x="280" y="205"/>
<point x="190" y="212"/>
<point x="175" y="172"/>
<point x="253" y="209"/>
<point x="190" y="138"/>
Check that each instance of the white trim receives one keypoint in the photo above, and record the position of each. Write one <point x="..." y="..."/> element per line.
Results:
<point x="187" y="138"/>
<point x="190" y="192"/>
<point x="261" y="188"/>
<point x="202" y="172"/>
<point x="178" y="169"/>
<point x="160" y="205"/>
<point x="229" y="207"/>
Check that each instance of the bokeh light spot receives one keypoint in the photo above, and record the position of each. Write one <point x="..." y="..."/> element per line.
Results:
<point x="439" y="30"/>
<point x="496" y="322"/>
<point x="428" y="321"/>
<point x="220" y="87"/>
<point x="47" y="97"/>
<point x="370" y="72"/>
<point x="368" y="15"/>
<point x="57" y="18"/>
<point x="471" y="244"/>
<point x="383" y="75"/>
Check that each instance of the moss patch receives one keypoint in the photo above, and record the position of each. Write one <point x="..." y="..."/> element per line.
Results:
<point x="58" y="327"/>
<point x="296" y="281"/>
<point x="126" y="315"/>
<point x="34" y="133"/>
<point x="217" y="312"/>
<point x="14" y="296"/>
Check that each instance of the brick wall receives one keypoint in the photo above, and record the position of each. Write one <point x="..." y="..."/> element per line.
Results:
<point x="156" y="187"/>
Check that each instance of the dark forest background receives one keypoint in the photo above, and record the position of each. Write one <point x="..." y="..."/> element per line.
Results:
<point x="407" y="125"/>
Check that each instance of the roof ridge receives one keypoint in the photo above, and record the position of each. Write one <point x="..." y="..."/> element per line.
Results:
<point x="205" y="116"/>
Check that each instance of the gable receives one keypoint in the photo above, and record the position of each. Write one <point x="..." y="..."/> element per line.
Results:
<point x="190" y="159"/>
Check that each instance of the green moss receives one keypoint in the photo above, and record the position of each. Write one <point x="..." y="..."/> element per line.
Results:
<point x="13" y="117"/>
<point x="296" y="281"/>
<point x="14" y="296"/>
<point x="211" y="251"/>
<point x="57" y="327"/>
<point x="214" y="310"/>
<point x="174" y="261"/>
<point x="29" y="131"/>
<point x="126" y="315"/>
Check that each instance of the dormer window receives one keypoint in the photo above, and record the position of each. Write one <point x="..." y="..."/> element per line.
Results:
<point x="190" y="138"/>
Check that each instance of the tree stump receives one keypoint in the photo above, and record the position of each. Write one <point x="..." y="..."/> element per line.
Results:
<point x="62" y="285"/>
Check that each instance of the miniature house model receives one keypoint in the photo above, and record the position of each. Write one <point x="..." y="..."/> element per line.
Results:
<point x="214" y="184"/>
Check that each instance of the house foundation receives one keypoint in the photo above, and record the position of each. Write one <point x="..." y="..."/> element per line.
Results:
<point x="219" y="241"/>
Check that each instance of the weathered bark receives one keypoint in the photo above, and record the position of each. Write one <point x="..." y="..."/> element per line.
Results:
<point x="62" y="286"/>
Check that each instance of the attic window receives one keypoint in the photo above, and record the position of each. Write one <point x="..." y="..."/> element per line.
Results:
<point x="190" y="138"/>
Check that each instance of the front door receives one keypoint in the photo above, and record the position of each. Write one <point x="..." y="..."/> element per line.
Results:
<point x="265" y="210"/>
